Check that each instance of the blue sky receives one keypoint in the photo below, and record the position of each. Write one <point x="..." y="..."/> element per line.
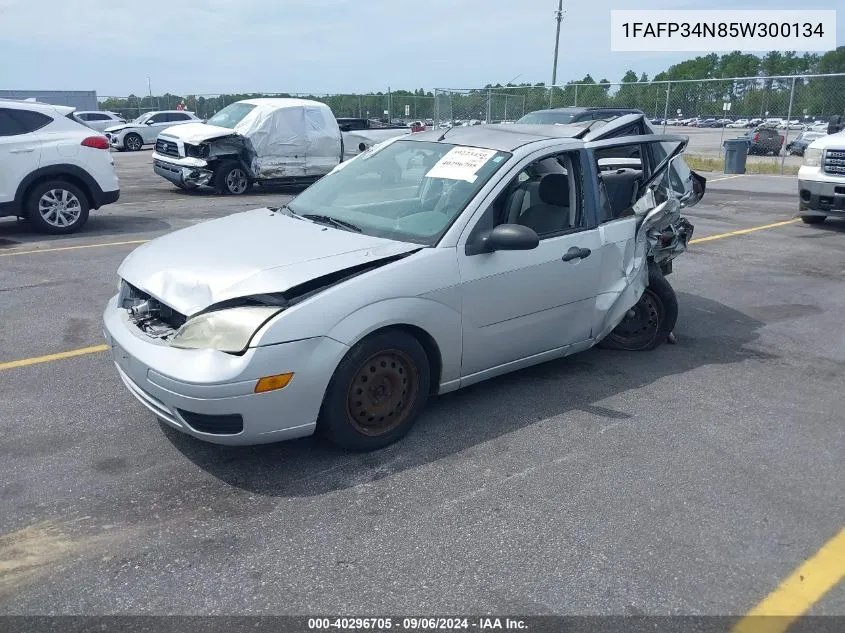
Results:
<point x="213" y="46"/>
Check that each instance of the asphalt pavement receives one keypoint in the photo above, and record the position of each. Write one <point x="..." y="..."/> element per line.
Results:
<point x="688" y="480"/>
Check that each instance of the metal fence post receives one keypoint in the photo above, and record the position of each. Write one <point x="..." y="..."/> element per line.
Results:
<point x="436" y="111"/>
<point x="666" y="107"/>
<point x="489" y="105"/>
<point x="576" y="95"/>
<point x="788" y="117"/>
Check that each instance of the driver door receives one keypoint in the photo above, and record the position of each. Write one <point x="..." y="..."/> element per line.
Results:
<point x="519" y="307"/>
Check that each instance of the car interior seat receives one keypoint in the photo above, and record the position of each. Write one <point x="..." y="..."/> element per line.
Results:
<point x="621" y="186"/>
<point x="549" y="210"/>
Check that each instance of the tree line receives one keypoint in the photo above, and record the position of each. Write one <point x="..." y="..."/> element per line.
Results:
<point x="762" y="93"/>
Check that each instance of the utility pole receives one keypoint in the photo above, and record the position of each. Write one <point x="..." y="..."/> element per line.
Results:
<point x="559" y="18"/>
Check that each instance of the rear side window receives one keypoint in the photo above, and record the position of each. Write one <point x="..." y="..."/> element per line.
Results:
<point x="178" y="116"/>
<point x="99" y="117"/>
<point x="13" y="122"/>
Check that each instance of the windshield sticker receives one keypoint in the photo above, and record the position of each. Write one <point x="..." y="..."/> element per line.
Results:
<point x="461" y="163"/>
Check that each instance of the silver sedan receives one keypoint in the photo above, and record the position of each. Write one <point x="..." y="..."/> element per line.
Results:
<point x="425" y="264"/>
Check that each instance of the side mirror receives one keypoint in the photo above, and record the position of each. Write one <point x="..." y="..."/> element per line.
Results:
<point x="510" y="237"/>
<point x="149" y="122"/>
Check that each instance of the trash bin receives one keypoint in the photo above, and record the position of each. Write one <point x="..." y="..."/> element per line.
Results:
<point x="736" y="151"/>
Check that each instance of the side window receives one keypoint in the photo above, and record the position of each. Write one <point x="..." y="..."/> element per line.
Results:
<point x="29" y="121"/>
<point x="545" y="196"/>
<point x="621" y="170"/>
<point x="159" y="118"/>
<point x="84" y="116"/>
<point x="8" y="125"/>
<point x="99" y="117"/>
<point x="178" y="116"/>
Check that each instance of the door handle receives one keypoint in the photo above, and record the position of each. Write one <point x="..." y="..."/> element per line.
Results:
<point x="23" y="150"/>
<point x="576" y="253"/>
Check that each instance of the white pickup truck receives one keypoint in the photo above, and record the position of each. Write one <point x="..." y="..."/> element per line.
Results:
<point x="268" y="141"/>
<point x="821" y="179"/>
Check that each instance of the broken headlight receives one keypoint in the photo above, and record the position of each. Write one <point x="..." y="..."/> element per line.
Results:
<point x="197" y="151"/>
<point x="228" y="330"/>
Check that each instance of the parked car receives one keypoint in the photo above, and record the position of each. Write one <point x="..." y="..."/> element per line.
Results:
<point x="426" y="264"/>
<point x="821" y="179"/>
<point x="797" y="146"/>
<point x="267" y="141"/>
<point x="764" y="140"/>
<point x="562" y="116"/>
<point x="98" y="120"/>
<point x="55" y="169"/>
<point x="144" y="130"/>
<point x="739" y="123"/>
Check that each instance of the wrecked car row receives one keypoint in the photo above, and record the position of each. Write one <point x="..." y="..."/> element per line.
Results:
<point x="263" y="141"/>
<point x="425" y="264"/>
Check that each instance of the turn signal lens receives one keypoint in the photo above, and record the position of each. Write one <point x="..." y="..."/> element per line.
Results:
<point x="271" y="383"/>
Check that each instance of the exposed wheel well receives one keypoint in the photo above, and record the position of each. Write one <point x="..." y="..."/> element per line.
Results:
<point x="78" y="182"/>
<point x="432" y="351"/>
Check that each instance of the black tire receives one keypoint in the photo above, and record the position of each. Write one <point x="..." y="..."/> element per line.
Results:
<point x="231" y="178"/>
<point x="650" y="321"/>
<point x="133" y="142"/>
<point x="51" y="202"/>
<point x="813" y="219"/>
<point x="363" y="409"/>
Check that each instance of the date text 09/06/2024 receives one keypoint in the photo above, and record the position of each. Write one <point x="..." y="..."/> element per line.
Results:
<point x="416" y="624"/>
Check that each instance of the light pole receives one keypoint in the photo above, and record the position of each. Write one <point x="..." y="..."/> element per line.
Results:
<point x="559" y="18"/>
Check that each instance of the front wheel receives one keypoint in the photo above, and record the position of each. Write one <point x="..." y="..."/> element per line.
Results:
<point x="650" y="321"/>
<point x="231" y="178"/>
<point x="133" y="142"/>
<point x="376" y="393"/>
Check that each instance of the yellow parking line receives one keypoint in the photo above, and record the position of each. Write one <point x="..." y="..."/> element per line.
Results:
<point x="13" y="364"/>
<point x="725" y="178"/>
<point x="719" y="236"/>
<point x="799" y="592"/>
<point x="71" y="248"/>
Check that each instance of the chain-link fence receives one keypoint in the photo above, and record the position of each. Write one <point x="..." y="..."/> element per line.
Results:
<point x="456" y="107"/>
<point x="803" y="97"/>
<point x="399" y="106"/>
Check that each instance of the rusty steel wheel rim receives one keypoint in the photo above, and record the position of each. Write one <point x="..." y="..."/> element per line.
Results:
<point x="382" y="393"/>
<point x="643" y="320"/>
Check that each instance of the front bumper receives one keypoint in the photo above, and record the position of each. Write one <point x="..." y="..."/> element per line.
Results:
<point x="180" y="386"/>
<point x="189" y="172"/>
<point x="821" y="197"/>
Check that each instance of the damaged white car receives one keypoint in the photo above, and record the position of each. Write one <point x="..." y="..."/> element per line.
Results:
<point x="266" y="141"/>
<point x="421" y="266"/>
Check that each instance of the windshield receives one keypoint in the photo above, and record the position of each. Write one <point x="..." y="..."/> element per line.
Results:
<point x="142" y="118"/>
<point x="546" y="118"/>
<point x="409" y="191"/>
<point x="231" y="115"/>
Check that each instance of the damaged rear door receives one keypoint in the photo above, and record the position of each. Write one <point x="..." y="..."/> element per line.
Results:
<point x="633" y="202"/>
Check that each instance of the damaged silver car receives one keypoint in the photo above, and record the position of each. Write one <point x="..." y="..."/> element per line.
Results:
<point x="425" y="264"/>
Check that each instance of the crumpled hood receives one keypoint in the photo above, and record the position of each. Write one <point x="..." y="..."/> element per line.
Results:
<point x="195" y="133"/>
<point x="244" y="254"/>
<point x="119" y="127"/>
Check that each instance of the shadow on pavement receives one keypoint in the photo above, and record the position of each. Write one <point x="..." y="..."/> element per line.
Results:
<point x="708" y="333"/>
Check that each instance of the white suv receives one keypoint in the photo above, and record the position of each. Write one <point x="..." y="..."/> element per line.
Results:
<point x="144" y="130"/>
<point x="98" y="120"/>
<point x="54" y="169"/>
